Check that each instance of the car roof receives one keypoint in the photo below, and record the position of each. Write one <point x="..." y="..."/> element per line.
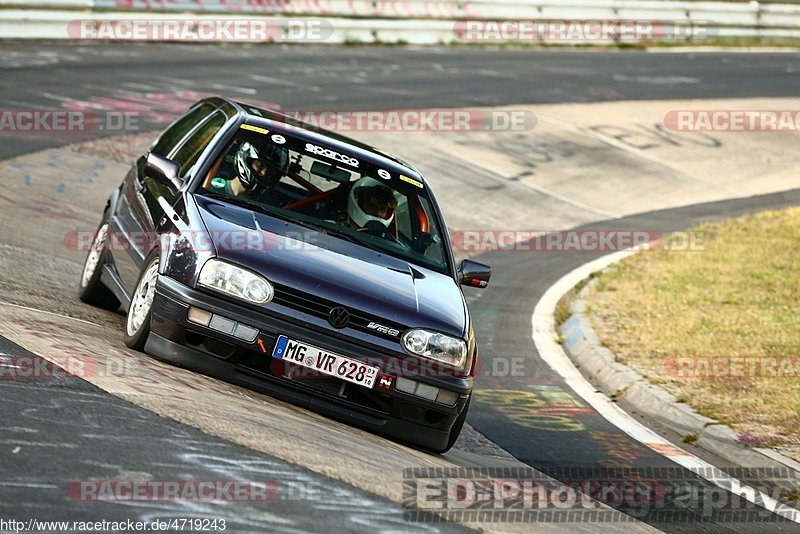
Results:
<point x="259" y="116"/>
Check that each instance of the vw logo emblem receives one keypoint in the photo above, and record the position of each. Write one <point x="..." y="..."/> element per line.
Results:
<point x="339" y="317"/>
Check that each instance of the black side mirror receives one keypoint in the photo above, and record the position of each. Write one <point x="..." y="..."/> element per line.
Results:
<point x="163" y="170"/>
<point x="474" y="274"/>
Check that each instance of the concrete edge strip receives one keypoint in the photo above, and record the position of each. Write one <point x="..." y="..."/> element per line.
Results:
<point x="545" y="339"/>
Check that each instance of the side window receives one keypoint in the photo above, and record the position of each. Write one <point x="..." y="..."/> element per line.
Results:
<point x="403" y="217"/>
<point x="194" y="145"/>
<point x="426" y="218"/>
<point x="173" y="135"/>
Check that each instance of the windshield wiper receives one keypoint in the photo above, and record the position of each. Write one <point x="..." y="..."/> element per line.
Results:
<point x="246" y="203"/>
<point x="243" y="202"/>
<point x="355" y="238"/>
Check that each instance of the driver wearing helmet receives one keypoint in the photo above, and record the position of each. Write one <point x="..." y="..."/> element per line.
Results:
<point x="258" y="169"/>
<point x="370" y="201"/>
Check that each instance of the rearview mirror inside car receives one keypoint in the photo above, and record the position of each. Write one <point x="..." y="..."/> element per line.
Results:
<point x="330" y="172"/>
<point x="163" y="170"/>
<point x="474" y="274"/>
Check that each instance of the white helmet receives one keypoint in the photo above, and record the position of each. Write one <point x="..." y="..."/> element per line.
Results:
<point x="369" y="190"/>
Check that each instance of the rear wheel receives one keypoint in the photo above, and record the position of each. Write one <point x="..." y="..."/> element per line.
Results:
<point x="137" y="324"/>
<point x="91" y="289"/>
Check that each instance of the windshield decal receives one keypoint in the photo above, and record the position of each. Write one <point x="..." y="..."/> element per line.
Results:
<point x="411" y="181"/>
<point x="254" y="128"/>
<point x="331" y="154"/>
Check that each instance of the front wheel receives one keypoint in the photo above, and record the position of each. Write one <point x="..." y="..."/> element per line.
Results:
<point x="137" y="324"/>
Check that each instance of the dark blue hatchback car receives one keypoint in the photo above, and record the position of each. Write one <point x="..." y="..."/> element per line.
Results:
<point x="296" y="262"/>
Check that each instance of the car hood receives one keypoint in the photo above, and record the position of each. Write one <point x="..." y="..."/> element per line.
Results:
<point x="356" y="277"/>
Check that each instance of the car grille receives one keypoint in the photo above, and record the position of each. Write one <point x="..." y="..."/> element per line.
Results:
<point x="319" y="307"/>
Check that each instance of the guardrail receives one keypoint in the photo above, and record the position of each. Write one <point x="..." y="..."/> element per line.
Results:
<point x="743" y="13"/>
<point x="425" y="21"/>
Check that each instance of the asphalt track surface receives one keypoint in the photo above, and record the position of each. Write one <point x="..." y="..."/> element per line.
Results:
<point x="504" y="313"/>
<point x="359" y="78"/>
<point x="60" y="430"/>
<point x="47" y="77"/>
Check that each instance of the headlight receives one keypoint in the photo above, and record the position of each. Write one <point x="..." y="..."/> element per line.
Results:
<point x="436" y="346"/>
<point x="235" y="281"/>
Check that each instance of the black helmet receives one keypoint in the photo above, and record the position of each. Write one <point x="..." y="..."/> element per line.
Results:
<point x="275" y="160"/>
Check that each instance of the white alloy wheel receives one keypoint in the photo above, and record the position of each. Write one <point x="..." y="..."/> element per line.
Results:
<point x="142" y="300"/>
<point x="93" y="258"/>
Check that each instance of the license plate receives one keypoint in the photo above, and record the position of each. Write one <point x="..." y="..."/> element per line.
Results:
<point x="325" y="362"/>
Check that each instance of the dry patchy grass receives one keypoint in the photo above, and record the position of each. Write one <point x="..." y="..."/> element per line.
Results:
<point x="737" y="298"/>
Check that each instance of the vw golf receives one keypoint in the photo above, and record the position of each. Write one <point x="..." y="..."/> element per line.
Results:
<point x="296" y="262"/>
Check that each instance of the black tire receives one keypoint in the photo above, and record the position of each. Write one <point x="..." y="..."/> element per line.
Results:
<point x="91" y="289"/>
<point x="136" y="334"/>
<point x="457" y="426"/>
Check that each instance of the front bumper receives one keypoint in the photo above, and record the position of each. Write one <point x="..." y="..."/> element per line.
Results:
<point x="389" y="412"/>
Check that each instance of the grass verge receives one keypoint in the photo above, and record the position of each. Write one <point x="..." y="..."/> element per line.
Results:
<point x="719" y="327"/>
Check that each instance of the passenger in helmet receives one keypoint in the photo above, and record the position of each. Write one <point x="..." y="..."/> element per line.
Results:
<point x="370" y="200"/>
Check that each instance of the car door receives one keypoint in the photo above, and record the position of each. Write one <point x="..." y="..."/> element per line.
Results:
<point x="138" y="213"/>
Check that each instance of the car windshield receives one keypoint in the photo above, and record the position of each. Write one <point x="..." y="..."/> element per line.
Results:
<point x="337" y="193"/>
